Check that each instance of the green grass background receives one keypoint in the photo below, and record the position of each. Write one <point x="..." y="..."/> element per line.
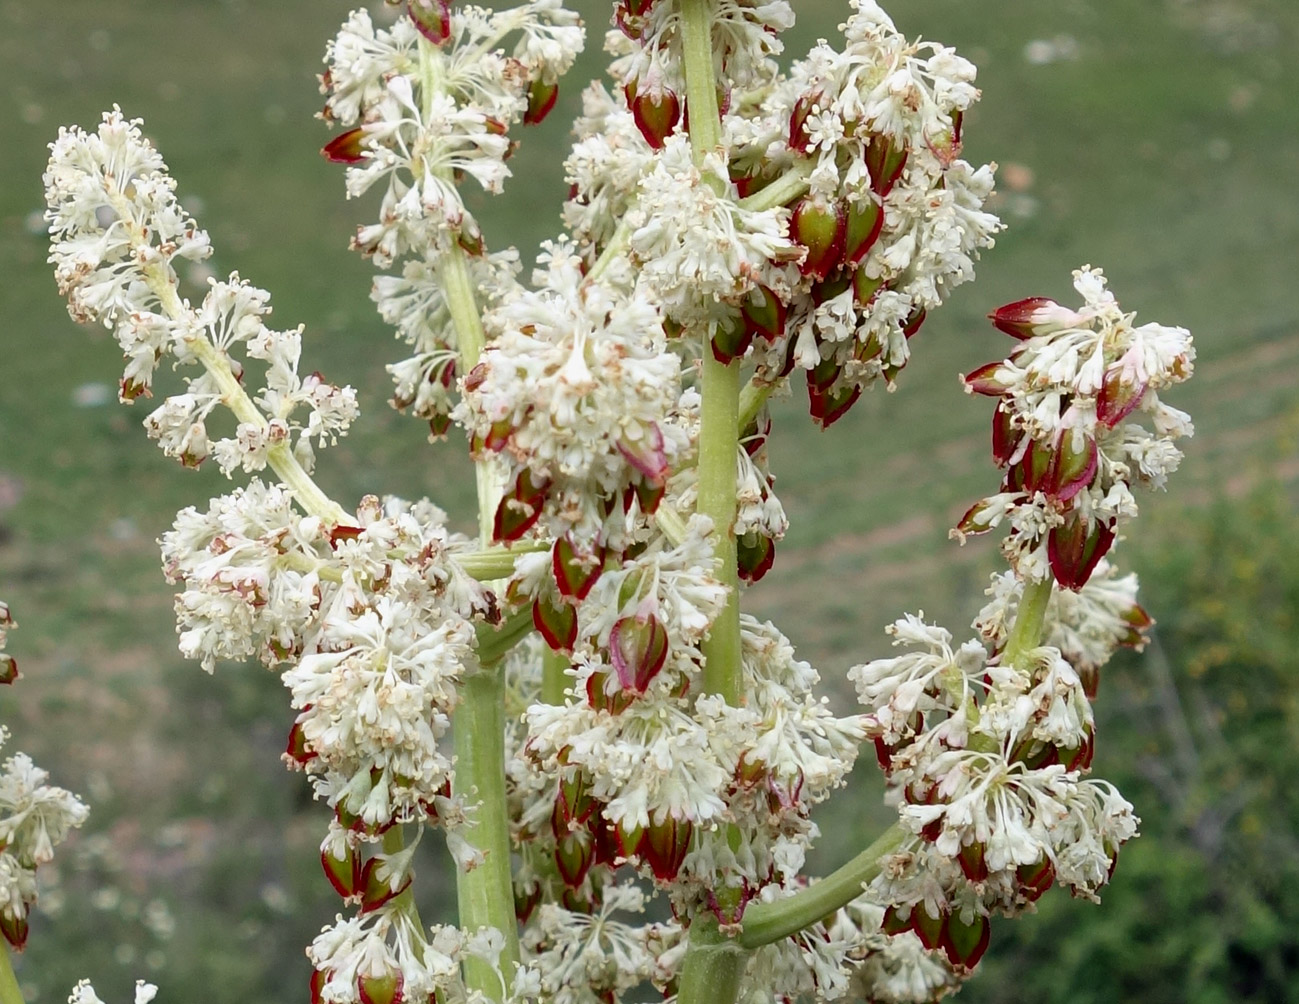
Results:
<point x="1163" y="144"/>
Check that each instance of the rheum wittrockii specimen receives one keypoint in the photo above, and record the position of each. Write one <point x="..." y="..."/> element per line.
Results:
<point x="573" y="696"/>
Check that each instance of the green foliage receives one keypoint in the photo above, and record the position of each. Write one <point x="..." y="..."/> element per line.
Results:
<point x="1202" y="735"/>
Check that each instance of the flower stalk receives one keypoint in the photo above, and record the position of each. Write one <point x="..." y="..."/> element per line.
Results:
<point x="10" y="992"/>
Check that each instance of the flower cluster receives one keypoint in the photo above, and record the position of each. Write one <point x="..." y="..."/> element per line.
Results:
<point x="34" y="818"/>
<point x="1068" y="430"/>
<point x="116" y="235"/>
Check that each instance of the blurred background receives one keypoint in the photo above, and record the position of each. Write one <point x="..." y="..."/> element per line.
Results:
<point x="1157" y="138"/>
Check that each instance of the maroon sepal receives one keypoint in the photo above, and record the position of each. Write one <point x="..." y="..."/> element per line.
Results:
<point x="345" y="148"/>
<point x="647" y="455"/>
<point x="296" y="748"/>
<point x="1080" y="757"/>
<point x="385" y="989"/>
<point x="765" y="313"/>
<point x="317" y="985"/>
<point x="15" y="930"/>
<point x="964" y="943"/>
<point x="629" y="839"/>
<point x="1119" y="395"/>
<point x="8" y="668"/>
<point x="374" y="892"/>
<point x="972" y="523"/>
<point x="1035" y="879"/>
<point x="928" y="929"/>
<point x="973" y="860"/>
<point x="573" y="802"/>
<point x="827" y="408"/>
<point x="574" y="854"/>
<point x="655" y="118"/>
<point x="432" y="18"/>
<point x="731" y="339"/>
<point x="893" y="923"/>
<point x="525" y="902"/>
<point x="798" y="138"/>
<point x="1139" y="622"/>
<point x="913" y="322"/>
<point x="755" y="557"/>
<point x="638" y="648"/>
<point x="1073" y="550"/>
<point x="1005" y="437"/>
<point x="343" y="874"/>
<point x="557" y="623"/>
<point x="820" y="229"/>
<point x="1016" y="319"/>
<point x="885" y="163"/>
<point x="1071" y="469"/>
<point x="665" y="846"/>
<point x="341" y="532"/>
<point x="599" y="697"/>
<point x="575" y="571"/>
<point x="649" y="495"/>
<point x="541" y="99"/>
<point x="864" y="226"/>
<point x="131" y="390"/>
<point x="520" y="509"/>
<point x="984" y="380"/>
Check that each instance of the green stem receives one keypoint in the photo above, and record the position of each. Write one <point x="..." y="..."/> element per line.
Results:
<point x="496" y="562"/>
<point x="486" y="893"/>
<point x="495" y="642"/>
<point x="714" y="965"/>
<point x="782" y="191"/>
<point x="701" y="83"/>
<point x="10" y="993"/>
<point x="1030" y="618"/>
<point x="554" y="678"/>
<point x="765" y="923"/>
<point x="718" y="445"/>
<point x="669" y="521"/>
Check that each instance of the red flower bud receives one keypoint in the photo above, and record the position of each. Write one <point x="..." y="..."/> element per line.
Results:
<point x="765" y="313"/>
<point x="964" y="943"/>
<point x="385" y="988"/>
<point x="15" y="930"/>
<point x="646" y="454"/>
<point x="665" y="846"/>
<point x="574" y="854"/>
<point x="798" y="138"/>
<point x="864" y="226"/>
<point x="731" y="339"/>
<point x="541" y="99"/>
<point x="520" y="509"/>
<point x="821" y="229"/>
<point x="928" y="929"/>
<point x="638" y="648"/>
<point x="885" y="163"/>
<point x="1017" y="319"/>
<point x="1121" y="392"/>
<point x="575" y="571"/>
<point x="557" y="623"/>
<point x="655" y="117"/>
<point x="1074" y="548"/>
<point x="345" y="148"/>
<point x="755" y="554"/>
<point x="985" y="381"/>
<point x="375" y="892"/>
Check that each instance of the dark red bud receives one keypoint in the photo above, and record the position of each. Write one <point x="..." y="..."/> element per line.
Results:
<point x="985" y="380"/>
<point x="731" y="339"/>
<point x="885" y="163"/>
<point x="1005" y="438"/>
<point x="798" y="137"/>
<point x="765" y="313"/>
<point x="928" y="929"/>
<point x="557" y="623"/>
<point x="647" y="454"/>
<point x="1035" y="879"/>
<point x="382" y="989"/>
<point x="296" y="749"/>
<point x="827" y="408"/>
<point x="345" y="148"/>
<point x="655" y="117"/>
<point x="574" y="854"/>
<point x="541" y="99"/>
<point x="665" y="847"/>
<point x="1120" y="394"/>
<point x="1017" y="319"/>
<point x="575" y="571"/>
<point x="864" y="225"/>
<point x="964" y="944"/>
<point x="15" y="930"/>
<point x="755" y="554"/>
<point x="1073" y="549"/>
<point x="520" y="509"/>
<point x="1072" y="469"/>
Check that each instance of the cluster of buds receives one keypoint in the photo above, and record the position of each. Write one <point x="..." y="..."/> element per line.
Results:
<point x="35" y="817"/>
<point x="1067" y="427"/>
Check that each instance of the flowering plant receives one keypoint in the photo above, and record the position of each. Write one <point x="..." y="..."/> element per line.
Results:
<point x="574" y="698"/>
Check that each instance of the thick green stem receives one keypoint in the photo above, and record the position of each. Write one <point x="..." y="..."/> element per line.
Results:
<point x="486" y="893"/>
<point x="9" y="990"/>
<point x="765" y="923"/>
<point x="1026" y="634"/>
<point x="713" y="967"/>
<point x="701" y="84"/>
<point x="718" y="446"/>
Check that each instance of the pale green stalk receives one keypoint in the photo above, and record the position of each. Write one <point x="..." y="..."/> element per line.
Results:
<point x="554" y="677"/>
<point x="765" y="923"/>
<point x="714" y="963"/>
<point x="1030" y="619"/>
<point x="9" y="990"/>
<point x="486" y="893"/>
<point x="752" y="398"/>
<point x="780" y="192"/>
